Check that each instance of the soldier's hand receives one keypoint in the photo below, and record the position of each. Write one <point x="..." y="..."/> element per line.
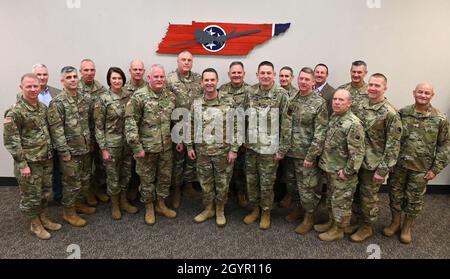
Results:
<point x="342" y="176"/>
<point x="191" y="154"/>
<point x="278" y="156"/>
<point x="140" y="155"/>
<point x="308" y="164"/>
<point x="430" y="175"/>
<point x="179" y="147"/>
<point x="378" y="178"/>
<point x="25" y="172"/>
<point x="67" y="158"/>
<point x="106" y="155"/>
<point x="232" y="157"/>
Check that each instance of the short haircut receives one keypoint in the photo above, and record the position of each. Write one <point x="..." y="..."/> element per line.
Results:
<point x="86" y="60"/>
<point x="289" y="69"/>
<point x="158" y="66"/>
<point x="358" y="63"/>
<point x="210" y="70"/>
<point x="323" y="65"/>
<point x="67" y="69"/>
<point x="308" y="70"/>
<point x="380" y="75"/>
<point x="184" y="51"/>
<point x="266" y="63"/>
<point x="38" y="65"/>
<point x="116" y="70"/>
<point x="29" y="75"/>
<point x="234" y="63"/>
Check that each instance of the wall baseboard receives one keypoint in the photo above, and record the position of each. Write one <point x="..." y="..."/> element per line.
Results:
<point x="431" y="189"/>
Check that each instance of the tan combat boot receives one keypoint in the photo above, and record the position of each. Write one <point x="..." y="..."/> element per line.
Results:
<point x="82" y="208"/>
<point x="176" y="197"/>
<point x="149" y="213"/>
<point x="352" y="228"/>
<point x="101" y="196"/>
<point x="334" y="233"/>
<point x="295" y="214"/>
<point x="306" y="225"/>
<point x="39" y="230"/>
<point x="162" y="209"/>
<point x="251" y="218"/>
<point x="242" y="200"/>
<point x="71" y="217"/>
<point x="364" y="232"/>
<point x="264" y="224"/>
<point x="394" y="227"/>
<point x="405" y="235"/>
<point x="115" y="208"/>
<point x="189" y="190"/>
<point x="221" y="221"/>
<point x="48" y="224"/>
<point x="205" y="214"/>
<point x="90" y="198"/>
<point x="125" y="205"/>
<point x="286" y="201"/>
<point x="320" y="228"/>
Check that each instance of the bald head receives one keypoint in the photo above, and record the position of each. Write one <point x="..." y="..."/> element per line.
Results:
<point x="137" y="71"/>
<point x="423" y="93"/>
<point x="342" y="101"/>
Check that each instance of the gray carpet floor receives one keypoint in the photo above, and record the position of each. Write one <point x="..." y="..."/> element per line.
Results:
<point x="181" y="238"/>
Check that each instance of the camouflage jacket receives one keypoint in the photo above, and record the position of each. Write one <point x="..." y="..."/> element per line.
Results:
<point x="92" y="91"/>
<point x="147" y="120"/>
<point x="25" y="133"/>
<point x="130" y="88"/>
<point x="344" y="145"/>
<point x="383" y="129"/>
<point x="186" y="89"/>
<point x="309" y="124"/>
<point x="109" y="116"/>
<point x="208" y="116"/>
<point x="425" y="142"/>
<point x="238" y="94"/>
<point x="358" y="96"/>
<point x="69" y="120"/>
<point x="265" y="134"/>
<point x="292" y="92"/>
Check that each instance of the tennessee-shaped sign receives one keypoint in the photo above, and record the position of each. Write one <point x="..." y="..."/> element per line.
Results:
<point x="217" y="38"/>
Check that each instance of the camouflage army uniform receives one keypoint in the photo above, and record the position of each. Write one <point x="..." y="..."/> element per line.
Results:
<point x="147" y="127"/>
<point x="130" y="88"/>
<point x="261" y="167"/>
<point x="358" y="96"/>
<point x="309" y="124"/>
<point x="238" y="95"/>
<point x="425" y="145"/>
<point x="383" y="129"/>
<point x="186" y="89"/>
<point x="69" y="120"/>
<point x="109" y="115"/>
<point x="93" y="91"/>
<point x="213" y="170"/>
<point x="27" y="138"/>
<point x="343" y="149"/>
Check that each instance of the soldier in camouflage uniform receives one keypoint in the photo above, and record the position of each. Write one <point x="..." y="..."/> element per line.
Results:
<point x="286" y="166"/>
<point x="186" y="86"/>
<point x="109" y="115"/>
<point x="424" y="153"/>
<point x="309" y="123"/>
<point x="147" y="127"/>
<point x="69" y="118"/>
<point x="238" y="89"/>
<point x="27" y="138"/>
<point x="93" y="89"/>
<point x="341" y="158"/>
<point x="267" y="109"/>
<point x="357" y="87"/>
<point x="383" y="129"/>
<point x="136" y="82"/>
<point x="215" y="152"/>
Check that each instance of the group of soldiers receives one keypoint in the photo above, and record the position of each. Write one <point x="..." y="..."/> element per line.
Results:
<point x="352" y="139"/>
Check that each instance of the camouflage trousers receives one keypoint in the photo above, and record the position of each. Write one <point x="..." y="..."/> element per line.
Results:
<point x="367" y="205"/>
<point x="184" y="169"/>
<point x="308" y="184"/>
<point x="76" y="175"/>
<point x="155" y="171"/>
<point x="214" y="174"/>
<point x="238" y="177"/>
<point x="118" y="169"/>
<point x="35" y="190"/>
<point x="407" y="190"/>
<point x="98" y="176"/>
<point x="287" y="176"/>
<point x="261" y="173"/>
<point x="340" y="198"/>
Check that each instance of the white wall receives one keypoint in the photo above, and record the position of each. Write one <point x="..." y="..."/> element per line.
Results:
<point x="407" y="40"/>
